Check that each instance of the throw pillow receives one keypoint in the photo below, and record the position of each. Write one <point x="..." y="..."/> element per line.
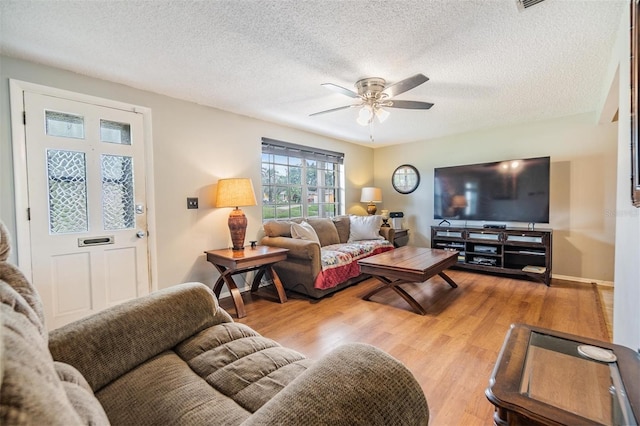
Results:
<point x="277" y="228"/>
<point x="326" y="231"/>
<point x="365" y="228"/>
<point x="343" y="226"/>
<point x="304" y="231"/>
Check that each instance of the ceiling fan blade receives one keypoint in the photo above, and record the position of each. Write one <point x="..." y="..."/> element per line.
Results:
<point x="410" y="104"/>
<point x="406" y="84"/>
<point x="341" y="90"/>
<point x="331" y="110"/>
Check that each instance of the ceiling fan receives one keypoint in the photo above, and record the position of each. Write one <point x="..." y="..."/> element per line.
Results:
<point x="375" y="95"/>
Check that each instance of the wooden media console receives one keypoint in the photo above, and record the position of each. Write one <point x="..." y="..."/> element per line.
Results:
<point x="509" y="251"/>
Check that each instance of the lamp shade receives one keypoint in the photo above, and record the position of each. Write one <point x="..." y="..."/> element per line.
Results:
<point x="371" y="195"/>
<point x="235" y="192"/>
<point x="365" y="115"/>
<point x="382" y="114"/>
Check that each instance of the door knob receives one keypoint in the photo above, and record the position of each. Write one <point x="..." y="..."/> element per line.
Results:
<point x="140" y="234"/>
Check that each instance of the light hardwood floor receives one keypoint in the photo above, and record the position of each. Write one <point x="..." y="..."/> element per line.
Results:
<point x="452" y="350"/>
<point x="606" y="299"/>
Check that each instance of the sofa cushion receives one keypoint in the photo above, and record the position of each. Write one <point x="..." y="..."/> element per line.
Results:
<point x="31" y="392"/>
<point x="29" y="303"/>
<point x="5" y="243"/>
<point x="304" y="231"/>
<point x="165" y="391"/>
<point x="343" y="225"/>
<point x="374" y="389"/>
<point x="14" y="277"/>
<point x="365" y="228"/>
<point x="242" y="364"/>
<point x="326" y="230"/>
<point x="80" y="395"/>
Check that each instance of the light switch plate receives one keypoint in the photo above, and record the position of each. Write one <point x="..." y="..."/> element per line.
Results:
<point x="192" y="202"/>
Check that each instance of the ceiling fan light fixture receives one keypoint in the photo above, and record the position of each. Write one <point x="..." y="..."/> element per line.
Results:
<point x="375" y="96"/>
<point x="365" y="115"/>
<point x="382" y="114"/>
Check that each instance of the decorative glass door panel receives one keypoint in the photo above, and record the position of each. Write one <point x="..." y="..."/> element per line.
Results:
<point x="67" y="182"/>
<point x="118" y="205"/>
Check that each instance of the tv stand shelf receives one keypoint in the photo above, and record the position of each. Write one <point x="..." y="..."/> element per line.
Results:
<point x="509" y="251"/>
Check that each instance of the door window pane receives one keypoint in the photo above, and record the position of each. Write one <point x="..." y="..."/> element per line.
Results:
<point x="66" y="175"/>
<point x="114" y="132"/>
<point x="64" y="125"/>
<point x="118" y="207"/>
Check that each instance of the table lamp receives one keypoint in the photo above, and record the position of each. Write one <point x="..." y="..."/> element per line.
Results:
<point x="371" y="195"/>
<point x="236" y="192"/>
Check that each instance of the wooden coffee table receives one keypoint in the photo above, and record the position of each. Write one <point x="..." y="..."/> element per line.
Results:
<point x="408" y="265"/>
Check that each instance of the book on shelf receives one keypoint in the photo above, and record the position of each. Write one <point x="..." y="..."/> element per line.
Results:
<point x="535" y="269"/>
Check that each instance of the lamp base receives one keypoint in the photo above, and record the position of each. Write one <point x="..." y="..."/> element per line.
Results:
<point x="371" y="208"/>
<point x="237" y="228"/>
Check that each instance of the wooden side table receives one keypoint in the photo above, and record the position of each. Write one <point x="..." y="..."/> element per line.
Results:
<point x="230" y="262"/>
<point x="401" y="237"/>
<point x="544" y="377"/>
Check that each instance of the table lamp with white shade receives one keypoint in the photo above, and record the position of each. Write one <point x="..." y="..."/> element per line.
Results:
<point x="371" y="195"/>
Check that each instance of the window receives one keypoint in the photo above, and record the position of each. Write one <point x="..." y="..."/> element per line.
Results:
<point x="299" y="181"/>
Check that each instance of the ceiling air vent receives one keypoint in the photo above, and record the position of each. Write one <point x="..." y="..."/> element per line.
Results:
<point x="524" y="4"/>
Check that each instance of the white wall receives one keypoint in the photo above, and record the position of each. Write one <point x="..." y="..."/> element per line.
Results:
<point x="626" y="303"/>
<point x="583" y="181"/>
<point x="194" y="146"/>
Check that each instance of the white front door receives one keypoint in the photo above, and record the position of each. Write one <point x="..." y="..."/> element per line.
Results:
<point x="87" y="206"/>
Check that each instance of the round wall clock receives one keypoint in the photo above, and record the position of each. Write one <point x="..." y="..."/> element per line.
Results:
<point x="405" y="179"/>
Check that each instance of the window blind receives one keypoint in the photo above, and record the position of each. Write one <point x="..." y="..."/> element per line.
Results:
<point x="276" y="147"/>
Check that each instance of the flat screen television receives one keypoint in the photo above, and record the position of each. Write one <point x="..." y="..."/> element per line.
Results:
<point x="503" y="191"/>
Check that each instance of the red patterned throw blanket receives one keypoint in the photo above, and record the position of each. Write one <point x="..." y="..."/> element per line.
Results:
<point x="340" y="261"/>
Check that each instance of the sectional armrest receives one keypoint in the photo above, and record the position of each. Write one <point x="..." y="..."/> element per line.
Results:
<point x="298" y="248"/>
<point x="354" y="384"/>
<point x="388" y="233"/>
<point x="108" y="344"/>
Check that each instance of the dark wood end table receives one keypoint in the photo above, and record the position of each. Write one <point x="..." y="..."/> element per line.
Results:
<point x="401" y="237"/>
<point x="230" y="262"/>
<point x="543" y="377"/>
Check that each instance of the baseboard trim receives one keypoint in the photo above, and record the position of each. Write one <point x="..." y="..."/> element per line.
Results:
<point x="583" y="280"/>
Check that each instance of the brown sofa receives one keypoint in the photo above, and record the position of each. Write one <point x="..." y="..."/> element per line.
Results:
<point x="175" y="357"/>
<point x="304" y="264"/>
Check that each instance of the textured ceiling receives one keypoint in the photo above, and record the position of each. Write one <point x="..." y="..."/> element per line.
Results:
<point x="489" y="64"/>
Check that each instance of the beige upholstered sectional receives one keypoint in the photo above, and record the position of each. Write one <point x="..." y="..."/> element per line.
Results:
<point x="304" y="264"/>
<point x="174" y="357"/>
